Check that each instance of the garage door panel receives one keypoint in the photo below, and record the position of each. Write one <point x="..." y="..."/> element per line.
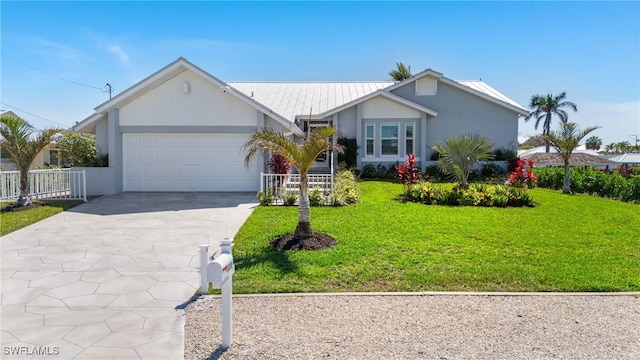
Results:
<point x="187" y="162"/>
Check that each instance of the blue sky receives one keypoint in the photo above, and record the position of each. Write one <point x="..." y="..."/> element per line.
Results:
<point x="591" y="50"/>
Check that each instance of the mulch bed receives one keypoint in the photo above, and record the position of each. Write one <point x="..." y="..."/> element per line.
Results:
<point x="316" y="242"/>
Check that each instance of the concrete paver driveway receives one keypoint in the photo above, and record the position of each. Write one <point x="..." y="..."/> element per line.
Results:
<point x="105" y="280"/>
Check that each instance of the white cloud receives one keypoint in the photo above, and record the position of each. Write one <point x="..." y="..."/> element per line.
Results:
<point x="113" y="47"/>
<point x="119" y="52"/>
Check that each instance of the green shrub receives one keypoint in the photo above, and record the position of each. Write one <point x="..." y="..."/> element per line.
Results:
<point x="450" y="198"/>
<point x="500" y="201"/>
<point x="265" y="199"/>
<point x="492" y="170"/>
<point x="316" y="198"/>
<point x="589" y="180"/>
<point x="350" y="155"/>
<point x="336" y="199"/>
<point x="368" y="171"/>
<point x="344" y="188"/>
<point x="289" y="198"/>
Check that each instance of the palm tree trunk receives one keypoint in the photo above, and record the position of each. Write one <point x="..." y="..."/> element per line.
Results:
<point x="566" y="185"/>
<point x="303" y="229"/>
<point x="24" y="198"/>
<point x="546" y="131"/>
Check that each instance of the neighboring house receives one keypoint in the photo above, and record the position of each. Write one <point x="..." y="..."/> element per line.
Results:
<point x="182" y="129"/>
<point x="628" y="159"/>
<point x="581" y="156"/>
<point x="48" y="156"/>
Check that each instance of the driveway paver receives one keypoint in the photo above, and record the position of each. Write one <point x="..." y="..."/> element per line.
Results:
<point x="106" y="280"/>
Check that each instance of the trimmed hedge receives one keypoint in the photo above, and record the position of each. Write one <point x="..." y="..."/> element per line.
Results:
<point x="589" y="180"/>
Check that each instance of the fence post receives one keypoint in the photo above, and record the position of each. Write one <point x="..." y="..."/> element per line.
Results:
<point x="204" y="261"/>
<point x="84" y="185"/>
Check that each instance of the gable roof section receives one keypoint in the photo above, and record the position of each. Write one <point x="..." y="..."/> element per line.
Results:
<point x="385" y="94"/>
<point x="163" y="75"/>
<point x="477" y="88"/>
<point x="284" y="101"/>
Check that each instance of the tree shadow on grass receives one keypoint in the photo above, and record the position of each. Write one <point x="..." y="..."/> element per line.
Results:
<point x="269" y="254"/>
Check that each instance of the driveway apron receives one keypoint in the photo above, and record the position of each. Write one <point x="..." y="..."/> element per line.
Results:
<point x="108" y="279"/>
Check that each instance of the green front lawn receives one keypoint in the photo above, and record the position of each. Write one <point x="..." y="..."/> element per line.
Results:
<point x="566" y="243"/>
<point x="14" y="220"/>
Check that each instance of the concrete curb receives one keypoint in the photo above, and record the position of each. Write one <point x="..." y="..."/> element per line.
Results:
<point x="440" y="293"/>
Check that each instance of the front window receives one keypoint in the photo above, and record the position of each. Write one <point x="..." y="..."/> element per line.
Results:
<point x="408" y="138"/>
<point x="389" y="139"/>
<point x="369" y="140"/>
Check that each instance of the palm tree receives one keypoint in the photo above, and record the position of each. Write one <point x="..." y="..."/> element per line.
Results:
<point x="458" y="155"/>
<point x="543" y="107"/>
<point x="594" y="143"/>
<point x="565" y="141"/>
<point x="300" y="156"/>
<point x="401" y="72"/>
<point x="20" y="141"/>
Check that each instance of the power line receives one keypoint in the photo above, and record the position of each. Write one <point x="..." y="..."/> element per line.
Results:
<point x="38" y="116"/>
<point x="54" y="76"/>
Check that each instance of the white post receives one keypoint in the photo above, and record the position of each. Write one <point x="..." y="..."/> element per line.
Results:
<point x="204" y="261"/>
<point x="227" y="306"/>
<point x="84" y="185"/>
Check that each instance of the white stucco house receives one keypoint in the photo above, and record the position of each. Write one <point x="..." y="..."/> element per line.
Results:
<point x="182" y="129"/>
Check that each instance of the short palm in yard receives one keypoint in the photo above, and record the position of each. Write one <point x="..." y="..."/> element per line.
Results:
<point x="577" y="243"/>
<point x="300" y="156"/>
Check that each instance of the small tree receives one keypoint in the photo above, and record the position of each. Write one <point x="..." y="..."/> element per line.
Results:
<point x="401" y="72"/>
<point x="565" y="141"/>
<point x="77" y="149"/>
<point x="301" y="157"/>
<point x="459" y="155"/>
<point x="23" y="142"/>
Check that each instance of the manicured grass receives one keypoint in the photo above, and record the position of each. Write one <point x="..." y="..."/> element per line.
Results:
<point x="566" y="243"/>
<point x="14" y="220"/>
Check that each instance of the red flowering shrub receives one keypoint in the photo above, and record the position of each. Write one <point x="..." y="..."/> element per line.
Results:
<point x="278" y="164"/>
<point x="408" y="172"/>
<point x="522" y="176"/>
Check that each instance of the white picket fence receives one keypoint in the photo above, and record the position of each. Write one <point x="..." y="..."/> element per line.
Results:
<point x="50" y="184"/>
<point x="279" y="184"/>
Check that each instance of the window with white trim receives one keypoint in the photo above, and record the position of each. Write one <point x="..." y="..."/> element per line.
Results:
<point x="370" y="139"/>
<point x="389" y="139"/>
<point x="408" y="138"/>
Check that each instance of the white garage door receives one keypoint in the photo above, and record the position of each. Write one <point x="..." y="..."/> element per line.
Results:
<point x="187" y="162"/>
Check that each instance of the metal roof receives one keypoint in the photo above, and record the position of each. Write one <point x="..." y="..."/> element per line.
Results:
<point x="290" y="99"/>
<point x="299" y="98"/>
<point x="486" y="89"/>
<point x="629" y="158"/>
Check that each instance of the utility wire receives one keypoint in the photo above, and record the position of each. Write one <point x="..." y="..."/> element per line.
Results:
<point x="54" y="76"/>
<point x="38" y="116"/>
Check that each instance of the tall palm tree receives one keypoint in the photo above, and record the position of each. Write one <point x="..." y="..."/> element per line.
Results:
<point x="300" y="156"/>
<point x="565" y="141"/>
<point x="544" y="106"/>
<point x="401" y="72"/>
<point x="458" y="155"/>
<point x="20" y="141"/>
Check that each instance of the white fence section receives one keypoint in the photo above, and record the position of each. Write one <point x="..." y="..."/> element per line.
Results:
<point x="279" y="184"/>
<point x="50" y="184"/>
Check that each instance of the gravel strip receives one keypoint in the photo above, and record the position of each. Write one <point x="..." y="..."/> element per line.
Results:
<point x="418" y="327"/>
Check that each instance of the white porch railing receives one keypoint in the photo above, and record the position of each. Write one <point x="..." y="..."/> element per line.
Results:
<point x="282" y="183"/>
<point x="50" y="184"/>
